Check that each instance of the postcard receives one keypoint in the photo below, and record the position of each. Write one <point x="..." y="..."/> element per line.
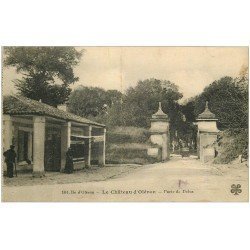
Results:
<point x="125" y="124"/>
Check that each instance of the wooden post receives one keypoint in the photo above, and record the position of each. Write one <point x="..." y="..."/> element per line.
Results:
<point x="101" y="151"/>
<point x="65" y="142"/>
<point x="89" y="147"/>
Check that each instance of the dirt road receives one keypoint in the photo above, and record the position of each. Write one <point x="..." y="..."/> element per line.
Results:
<point x="176" y="180"/>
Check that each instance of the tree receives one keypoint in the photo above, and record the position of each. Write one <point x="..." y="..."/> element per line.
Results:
<point x="188" y="108"/>
<point x="141" y="101"/>
<point x="113" y="97"/>
<point x="92" y="101"/>
<point x="47" y="71"/>
<point x="228" y="100"/>
<point x="134" y="108"/>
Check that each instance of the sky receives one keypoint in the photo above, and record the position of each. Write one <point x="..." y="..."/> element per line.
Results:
<point x="190" y="68"/>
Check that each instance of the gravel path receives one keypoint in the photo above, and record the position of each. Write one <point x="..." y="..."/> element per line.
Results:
<point x="93" y="174"/>
<point x="176" y="180"/>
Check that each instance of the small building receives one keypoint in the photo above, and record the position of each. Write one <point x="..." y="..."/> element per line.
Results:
<point x="207" y="135"/>
<point x="42" y="134"/>
<point x="159" y="136"/>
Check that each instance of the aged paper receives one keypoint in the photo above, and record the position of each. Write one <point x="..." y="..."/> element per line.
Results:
<point x="125" y="124"/>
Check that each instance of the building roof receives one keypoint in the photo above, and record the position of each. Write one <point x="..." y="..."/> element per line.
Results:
<point x="19" y="105"/>
<point x="160" y="114"/>
<point x="207" y="114"/>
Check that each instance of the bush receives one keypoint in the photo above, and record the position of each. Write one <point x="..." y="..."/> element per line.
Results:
<point x="230" y="144"/>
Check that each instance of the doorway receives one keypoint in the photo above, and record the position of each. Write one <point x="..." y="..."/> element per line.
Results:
<point x="52" y="150"/>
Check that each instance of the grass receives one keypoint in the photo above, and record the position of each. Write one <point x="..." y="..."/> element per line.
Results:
<point x="128" y="145"/>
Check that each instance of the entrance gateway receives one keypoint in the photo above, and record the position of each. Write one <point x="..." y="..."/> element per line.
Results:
<point x="206" y="135"/>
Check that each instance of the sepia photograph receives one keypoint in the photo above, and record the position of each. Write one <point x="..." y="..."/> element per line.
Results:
<point x="124" y="125"/>
<point x="130" y="124"/>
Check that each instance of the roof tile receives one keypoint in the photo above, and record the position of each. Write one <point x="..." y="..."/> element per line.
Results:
<point x="19" y="105"/>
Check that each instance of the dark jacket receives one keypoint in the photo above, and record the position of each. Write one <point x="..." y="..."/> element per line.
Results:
<point x="69" y="166"/>
<point x="10" y="156"/>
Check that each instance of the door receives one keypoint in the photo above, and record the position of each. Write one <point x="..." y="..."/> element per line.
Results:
<point x="52" y="151"/>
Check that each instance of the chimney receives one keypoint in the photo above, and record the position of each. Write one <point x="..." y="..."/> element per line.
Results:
<point x="63" y="107"/>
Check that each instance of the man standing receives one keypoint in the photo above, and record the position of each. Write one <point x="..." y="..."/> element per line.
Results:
<point x="10" y="159"/>
<point x="69" y="166"/>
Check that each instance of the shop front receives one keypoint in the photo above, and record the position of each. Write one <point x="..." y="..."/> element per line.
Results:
<point x="42" y="135"/>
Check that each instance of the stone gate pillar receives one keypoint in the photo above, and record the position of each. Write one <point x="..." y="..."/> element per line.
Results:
<point x="207" y="135"/>
<point x="159" y="131"/>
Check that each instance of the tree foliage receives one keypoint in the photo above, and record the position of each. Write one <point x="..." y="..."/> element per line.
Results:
<point x="47" y="71"/>
<point x="135" y="107"/>
<point x="231" y="143"/>
<point x="141" y="101"/>
<point x="92" y="101"/>
<point x="228" y="100"/>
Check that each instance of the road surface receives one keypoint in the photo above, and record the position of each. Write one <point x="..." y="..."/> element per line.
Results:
<point x="176" y="180"/>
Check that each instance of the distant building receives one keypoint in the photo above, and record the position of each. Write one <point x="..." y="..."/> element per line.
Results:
<point x="42" y="134"/>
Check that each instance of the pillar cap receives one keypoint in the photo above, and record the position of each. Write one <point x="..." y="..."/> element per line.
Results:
<point x="159" y="115"/>
<point x="207" y="115"/>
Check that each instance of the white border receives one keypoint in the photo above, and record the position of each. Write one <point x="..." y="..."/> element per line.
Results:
<point x="125" y="225"/>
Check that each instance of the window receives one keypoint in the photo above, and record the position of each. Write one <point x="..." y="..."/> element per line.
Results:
<point x="78" y="151"/>
<point x="23" y="144"/>
<point x="78" y="148"/>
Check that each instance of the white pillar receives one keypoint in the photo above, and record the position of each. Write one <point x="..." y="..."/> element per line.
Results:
<point x="65" y="142"/>
<point x="7" y="132"/>
<point x="89" y="147"/>
<point x="7" y="136"/>
<point x="101" y="151"/>
<point x="38" y="143"/>
<point x="198" y="144"/>
<point x="104" y="146"/>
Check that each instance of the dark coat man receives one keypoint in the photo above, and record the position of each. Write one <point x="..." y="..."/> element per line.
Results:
<point x="69" y="166"/>
<point x="10" y="159"/>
